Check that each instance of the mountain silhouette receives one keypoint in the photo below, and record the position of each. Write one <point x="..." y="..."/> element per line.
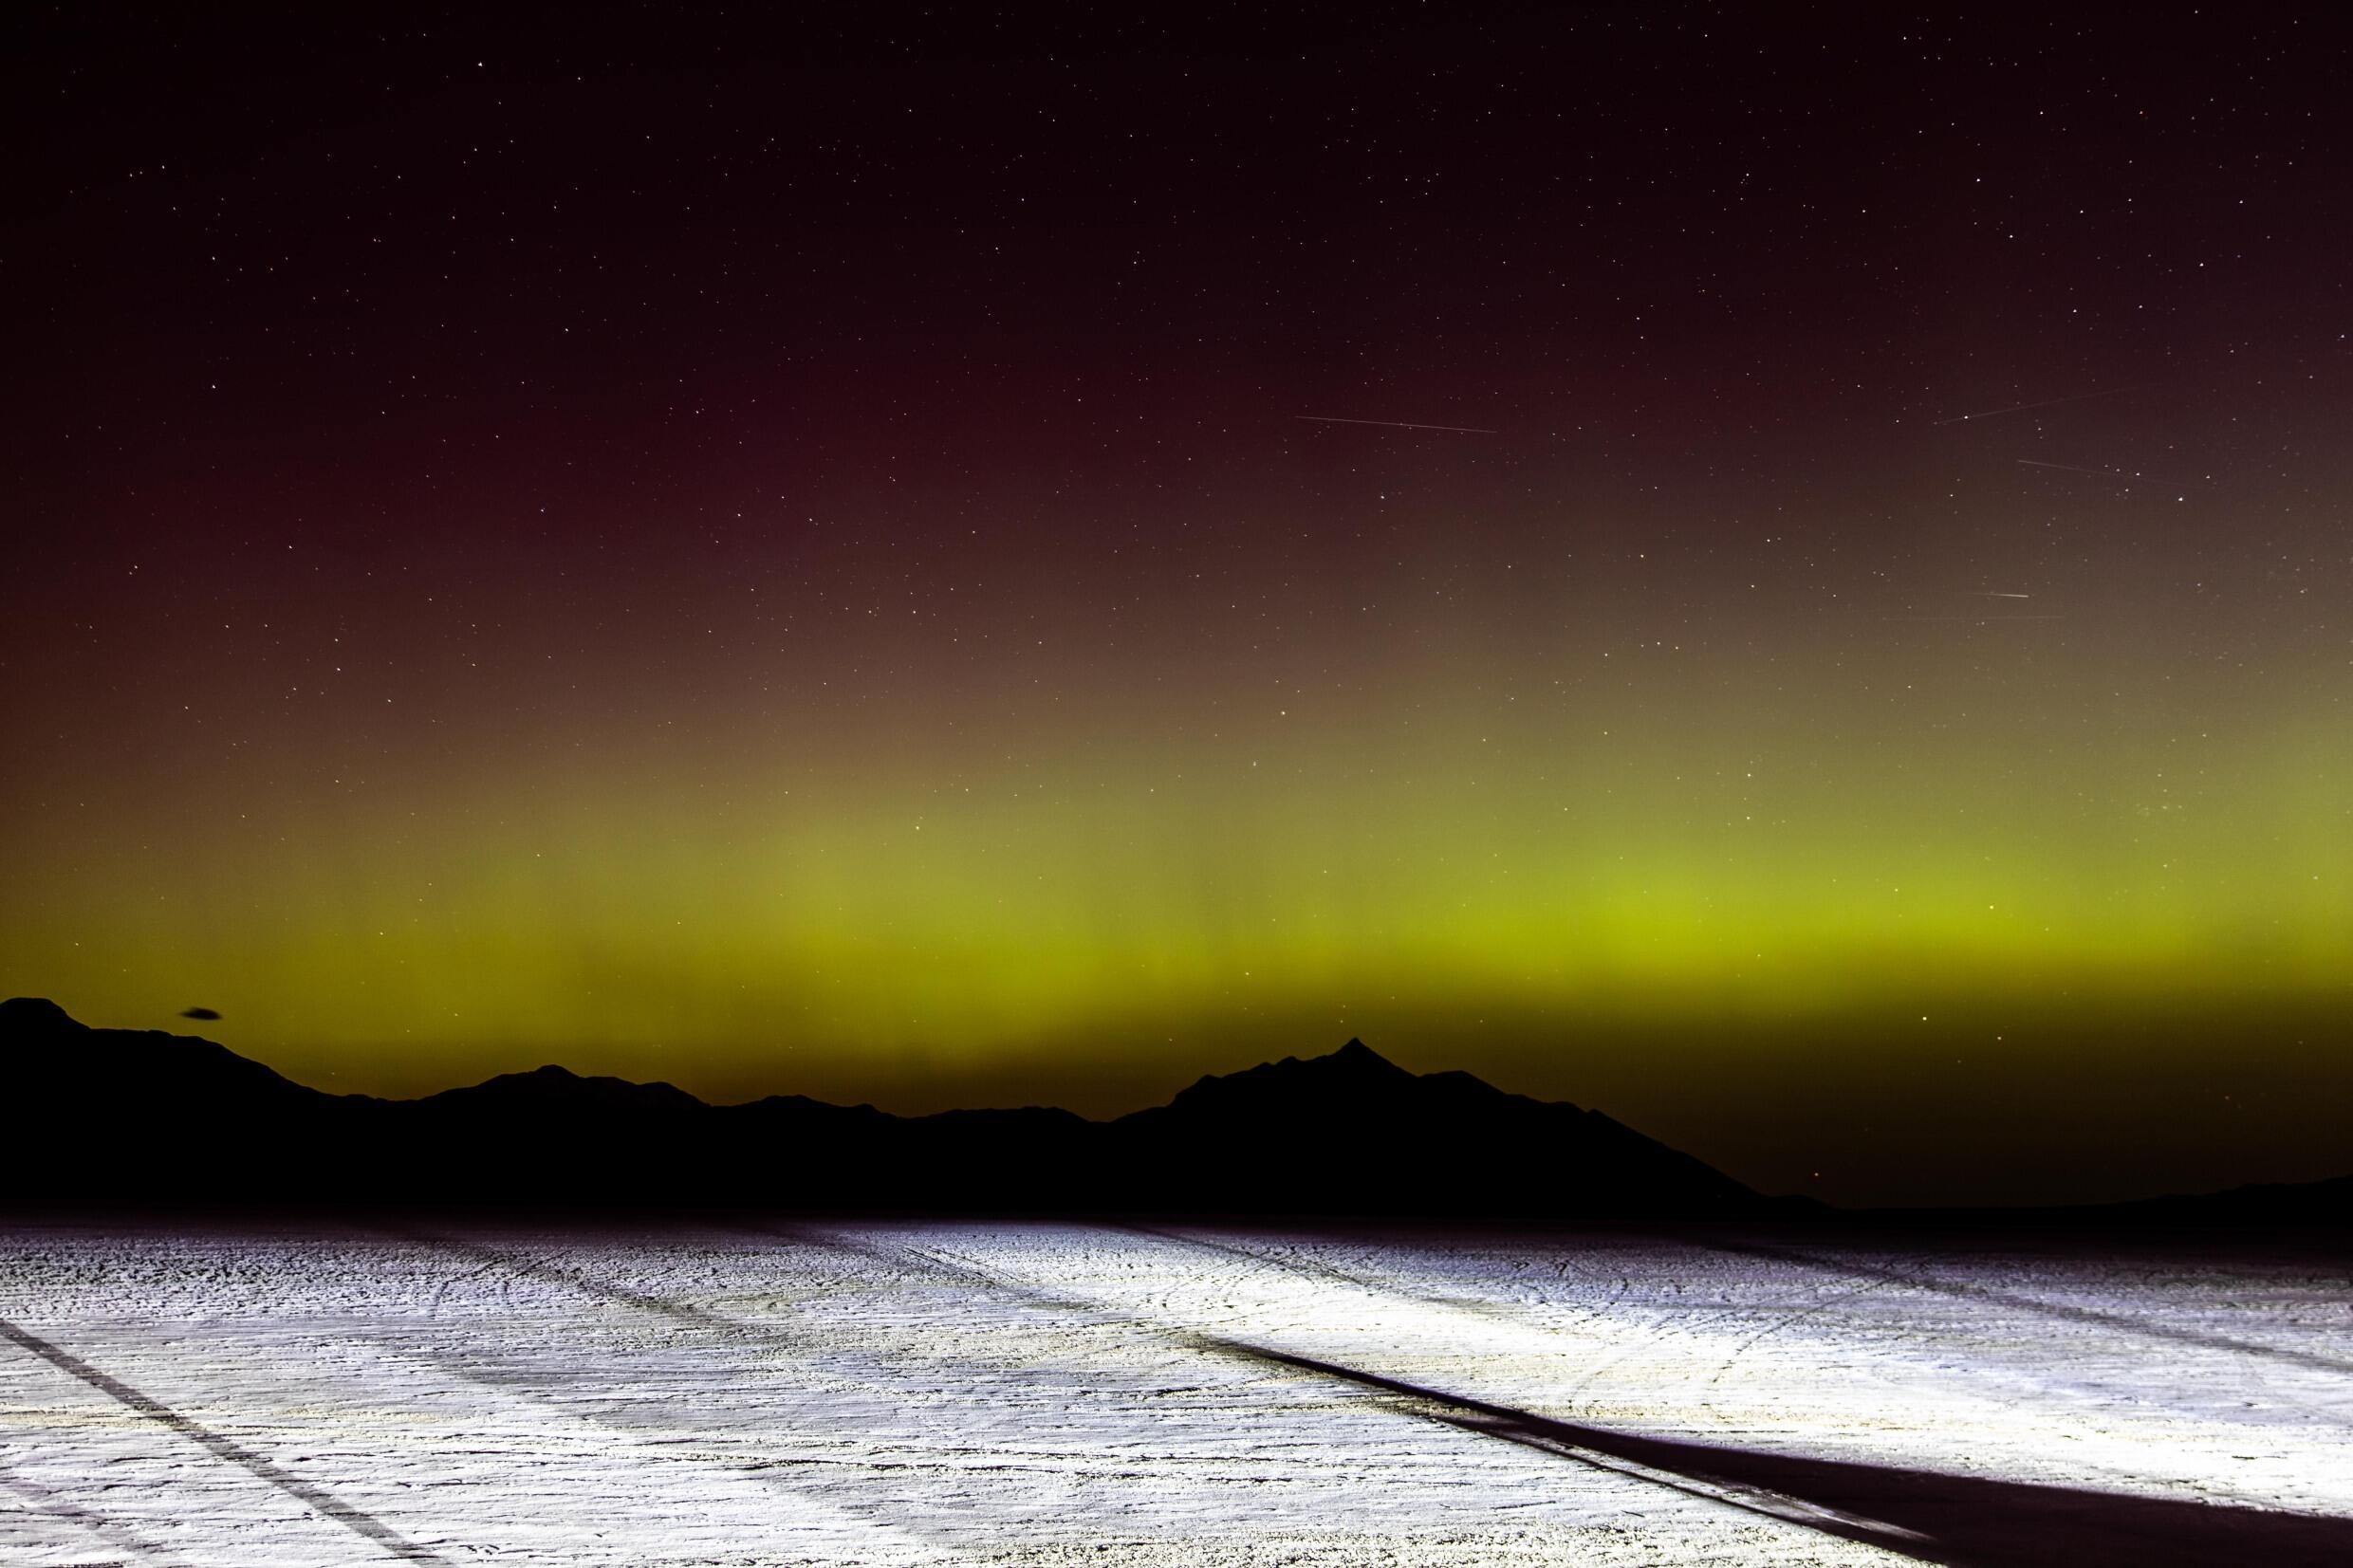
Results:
<point x="153" y="1119"/>
<point x="1354" y="1132"/>
<point x="143" y="1116"/>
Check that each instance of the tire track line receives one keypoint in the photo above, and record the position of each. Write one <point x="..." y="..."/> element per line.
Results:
<point x="1610" y="1452"/>
<point x="901" y="1537"/>
<point x="2061" y="1311"/>
<point x="317" y="1497"/>
<point x="41" y="1499"/>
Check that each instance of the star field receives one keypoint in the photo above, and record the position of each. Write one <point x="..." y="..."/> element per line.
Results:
<point x="893" y="564"/>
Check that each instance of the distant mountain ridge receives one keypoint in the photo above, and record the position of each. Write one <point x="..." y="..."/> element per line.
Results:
<point x="145" y="1116"/>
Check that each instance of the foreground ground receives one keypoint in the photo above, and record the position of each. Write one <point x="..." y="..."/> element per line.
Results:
<point x="806" y="1392"/>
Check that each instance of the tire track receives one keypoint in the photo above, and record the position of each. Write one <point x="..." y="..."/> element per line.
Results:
<point x="1960" y="1520"/>
<point x="1317" y="1271"/>
<point x="316" y="1498"/>
<point x="867" y="1516"/>
<point x="42" y="1500"/>
<point x="2090" y="1315"/>
<point x="1635" y="1458"/>
<point x="1791" y="1321"/>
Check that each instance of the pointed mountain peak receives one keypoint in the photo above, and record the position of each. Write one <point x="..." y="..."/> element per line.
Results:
<point x="1321" y="1083"/>
<point x="1357" y="1059"/>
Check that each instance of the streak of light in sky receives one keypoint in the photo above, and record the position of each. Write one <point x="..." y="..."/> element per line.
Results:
<point x="2071" y="468"/>
<point x="1397" y="424"/>
<point x="2046" y="403"/>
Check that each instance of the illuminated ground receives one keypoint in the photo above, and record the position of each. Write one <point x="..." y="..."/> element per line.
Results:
<point x="943" y="1394"/>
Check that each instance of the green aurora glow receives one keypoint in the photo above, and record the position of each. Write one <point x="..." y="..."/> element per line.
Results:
<point x="814" y="568"/>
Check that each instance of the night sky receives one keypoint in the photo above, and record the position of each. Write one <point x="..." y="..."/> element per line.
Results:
<point x="793" y="559"/>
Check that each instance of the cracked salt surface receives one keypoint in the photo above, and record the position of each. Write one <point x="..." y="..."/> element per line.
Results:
<point x="937" y="1393"/>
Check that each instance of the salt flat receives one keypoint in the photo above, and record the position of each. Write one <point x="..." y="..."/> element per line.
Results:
<point x="801" y="1392"/>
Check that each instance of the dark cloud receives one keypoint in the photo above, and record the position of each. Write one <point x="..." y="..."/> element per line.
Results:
<point x="200" y="1012"/>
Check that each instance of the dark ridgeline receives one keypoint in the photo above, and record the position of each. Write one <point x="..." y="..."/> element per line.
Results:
<point x="146" y="1118"/>
<point x="1352" y="1132"/>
